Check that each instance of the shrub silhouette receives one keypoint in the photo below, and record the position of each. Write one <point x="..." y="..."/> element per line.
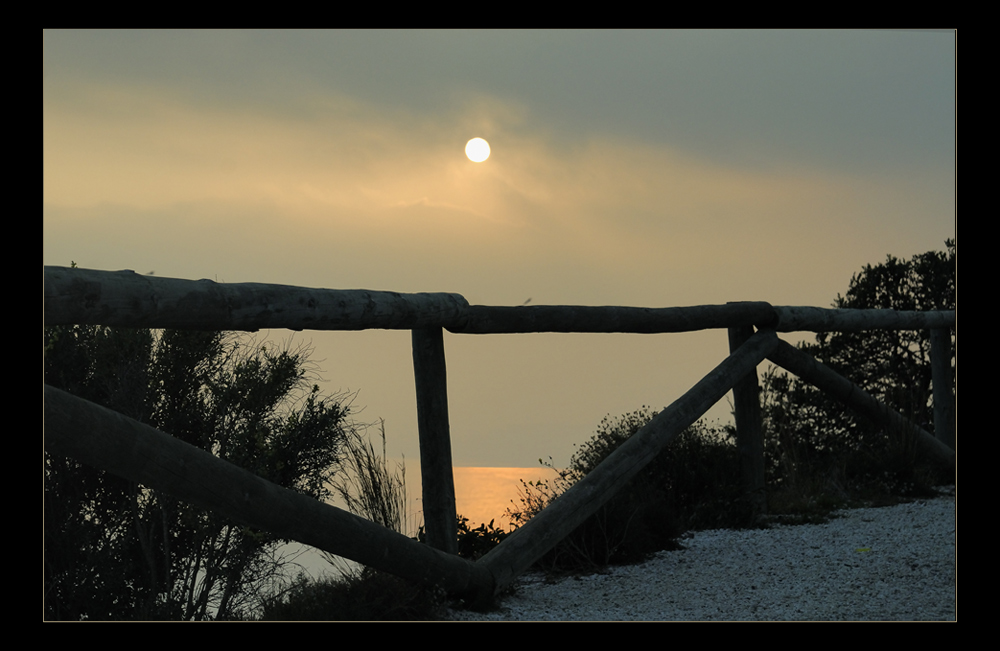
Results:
<point x="365" y="595"/>
<point x="473" y="544"/>
<point x="694" y="483"/>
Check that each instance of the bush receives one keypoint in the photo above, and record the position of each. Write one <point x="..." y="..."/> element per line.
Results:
<point x="694" y="483"/>
<point x="816" y="445"/>
<point x="117" y="550"/>
<point x="819" y="457"/>
<point x="473" y="544"/>
<point x="364" y="595"/>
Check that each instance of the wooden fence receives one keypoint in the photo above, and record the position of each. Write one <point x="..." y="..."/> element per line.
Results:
<point x="112" y="442"/>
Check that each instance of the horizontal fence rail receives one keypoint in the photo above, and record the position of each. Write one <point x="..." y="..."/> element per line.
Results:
<point x="131" y="300"/>
<point x="113" y="442"/>
<point x="484" y="319"/>
<point x="128" y="299"/>
<point x="816" y="319"/>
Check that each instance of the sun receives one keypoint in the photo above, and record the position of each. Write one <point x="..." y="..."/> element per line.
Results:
<point x="477" y="150"/>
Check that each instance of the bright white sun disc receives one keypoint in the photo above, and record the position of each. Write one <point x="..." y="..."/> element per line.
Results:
<point x="477" y="150"/>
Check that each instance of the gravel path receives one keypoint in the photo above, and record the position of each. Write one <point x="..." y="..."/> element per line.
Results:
<point x="889" y="563"/>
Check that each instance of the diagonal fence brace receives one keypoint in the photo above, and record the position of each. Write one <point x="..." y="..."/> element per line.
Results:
<point x="530" y="542"/>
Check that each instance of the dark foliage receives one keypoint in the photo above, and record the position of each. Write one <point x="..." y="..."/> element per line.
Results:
<point x="818" y="456"/>
<point x="117" y="550"/>
<point x="812" y="438"/>
<point x="475" y="543"/>
<point x="894" y="365"/>
<point x="364" y="595"/>
<point x="691" y="484"/>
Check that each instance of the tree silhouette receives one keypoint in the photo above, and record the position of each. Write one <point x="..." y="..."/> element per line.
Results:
<point x="892" y="365"/>
<point x="118" y="550"/>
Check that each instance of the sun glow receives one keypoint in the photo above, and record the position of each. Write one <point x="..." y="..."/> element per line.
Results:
<point x="477" y="150"/>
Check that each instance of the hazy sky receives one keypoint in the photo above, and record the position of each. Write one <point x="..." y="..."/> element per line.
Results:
<point x="645" y="168"/>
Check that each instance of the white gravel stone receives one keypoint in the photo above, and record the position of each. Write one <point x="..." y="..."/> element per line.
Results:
<point x="891" y="563"/>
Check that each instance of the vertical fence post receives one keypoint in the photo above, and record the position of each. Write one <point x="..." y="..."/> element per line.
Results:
<point x="942" y="382"/>
<point x="437" y="478"/>
<point x="749" y="436"/>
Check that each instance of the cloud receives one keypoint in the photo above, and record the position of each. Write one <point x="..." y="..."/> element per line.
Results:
<point x="614" y="210"/>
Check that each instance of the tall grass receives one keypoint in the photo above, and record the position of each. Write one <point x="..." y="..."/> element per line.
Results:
<point x="367" y="484"/>
<point x="373" y="488"/>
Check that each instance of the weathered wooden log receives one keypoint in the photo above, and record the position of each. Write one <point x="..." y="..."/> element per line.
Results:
<point x="749" y="432"/>
<point x="530" y="542"/>
<point x="941" y="386"/>
<point x="824" y="378"/>
<point x="112" y="442"/>
<point x="125" y="298"/>
<point x="816" y="319"/>
<point x="436" y="475"/>
<point x="484" y="319"/>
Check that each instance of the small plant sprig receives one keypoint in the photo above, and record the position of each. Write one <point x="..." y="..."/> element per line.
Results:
<point x="475" y="543"/>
